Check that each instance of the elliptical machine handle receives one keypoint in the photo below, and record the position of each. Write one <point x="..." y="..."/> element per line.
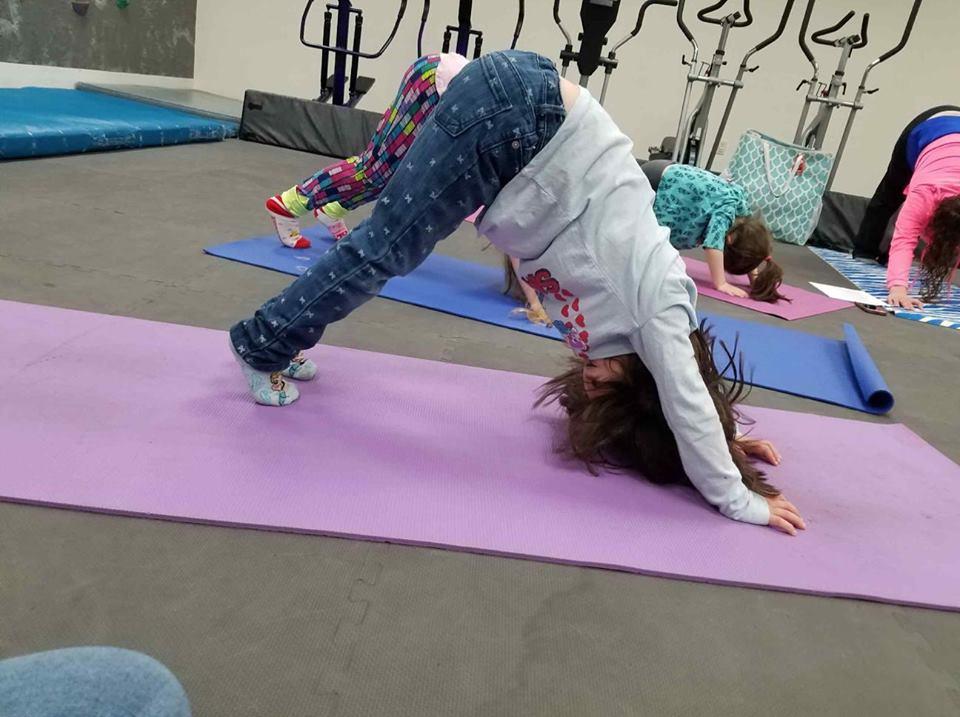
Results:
<point x="423" y="24"/>
<point x="683" y="25"/>
<point x="804" y="26"/>
<point x="773" y="38"/>
<point x="647" y="4"/>
<point x="519" y="27"/>
<point x="343" y="50"/>
<point x="818" y="35"/>
<point x="862" y="40"/>
<point x="907" y="31"/>
<point x="556" y="19"/>
<point x="703" y="15"/>
<point x="636" y="29"/>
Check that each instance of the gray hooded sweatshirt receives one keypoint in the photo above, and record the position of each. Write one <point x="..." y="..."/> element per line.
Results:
<point x="580" y="219"/>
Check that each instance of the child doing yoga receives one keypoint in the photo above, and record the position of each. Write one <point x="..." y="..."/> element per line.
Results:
<point x="922" y="182"/>
<point x="701" y="209"/>
<point x="564" y="194"/>
<point x="334" y="191"/>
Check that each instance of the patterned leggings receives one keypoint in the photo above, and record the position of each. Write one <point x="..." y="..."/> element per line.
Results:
<point x="357" y="180"/>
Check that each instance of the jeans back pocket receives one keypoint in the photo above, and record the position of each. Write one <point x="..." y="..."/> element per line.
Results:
<point x="475" y="95"/>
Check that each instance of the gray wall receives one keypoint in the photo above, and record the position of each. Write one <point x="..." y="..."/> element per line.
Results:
<point x="152" y="37"/>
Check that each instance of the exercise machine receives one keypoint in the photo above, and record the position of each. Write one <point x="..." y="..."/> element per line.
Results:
<point x="330" y="124"/>
<point x="828" y="94"/>
<point x="597" y="18"/>
<point x="464" y="30"/>
<point x="688" y="145"/>
<point x="337" y="87"/>
<point x="738" y="81"/>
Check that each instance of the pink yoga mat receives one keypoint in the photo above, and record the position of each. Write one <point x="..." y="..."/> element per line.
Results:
<point x="139" y="418"/>
<point x="804" y="303"/>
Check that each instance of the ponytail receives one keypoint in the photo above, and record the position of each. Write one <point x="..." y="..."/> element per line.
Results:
<point x="747" y="248"/>
<point x="766" y="284"/>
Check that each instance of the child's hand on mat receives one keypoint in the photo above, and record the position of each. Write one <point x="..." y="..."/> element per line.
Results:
<point x="732" y="290"/>
<point x="764" y="450"/>
<point x="536" y="314"/>
<point x="898" y="297"/>
<point x="784" y="516"/>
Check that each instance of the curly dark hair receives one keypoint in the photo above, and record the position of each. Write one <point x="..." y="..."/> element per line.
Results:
<point x="749" y="245"/>
<point x="624" y="428"/>
<point x="943" y="249"/>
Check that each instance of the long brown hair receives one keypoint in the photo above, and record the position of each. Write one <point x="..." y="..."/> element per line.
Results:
<point x="940" y="257"/>
<point x="624" y="428"/>
<point x="749" y="245"/>
<point x="511" y="284"/>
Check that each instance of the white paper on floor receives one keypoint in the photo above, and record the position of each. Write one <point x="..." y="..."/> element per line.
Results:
<point x="842" y="293"/>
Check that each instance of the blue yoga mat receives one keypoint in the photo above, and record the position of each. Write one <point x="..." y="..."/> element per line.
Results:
<point x="872" y="278"/>
<point x="835" y="371"/>
<point x="442" y="283"/>
<point x="42" y="121"/>
<point x="839" y="372"/>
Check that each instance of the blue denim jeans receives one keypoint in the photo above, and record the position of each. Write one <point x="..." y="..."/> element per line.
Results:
<point x="497" y="113"/>
<point x="101" y="681"/>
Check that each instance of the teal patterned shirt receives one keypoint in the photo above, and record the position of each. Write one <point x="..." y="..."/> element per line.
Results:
<point x="697" y="206"/>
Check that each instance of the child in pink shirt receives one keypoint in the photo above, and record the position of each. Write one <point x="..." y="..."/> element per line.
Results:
<point x="923" y="177"/>
<point x="932" y="212"/>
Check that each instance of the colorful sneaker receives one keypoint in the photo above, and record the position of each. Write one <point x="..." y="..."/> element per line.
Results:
<point x="301" y="368"/>
<point x="286" y="224"/>
<point x="331" y="216"/>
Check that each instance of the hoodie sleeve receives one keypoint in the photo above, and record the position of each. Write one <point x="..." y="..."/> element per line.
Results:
<point x="663" y="343"/>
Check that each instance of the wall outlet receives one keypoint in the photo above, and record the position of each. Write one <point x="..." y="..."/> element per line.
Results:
<point x="722" y="148"/>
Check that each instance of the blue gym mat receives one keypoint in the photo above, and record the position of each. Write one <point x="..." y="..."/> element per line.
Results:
<point x="829" y="370"/>
<point x="441" y="283"/>
<point x="43" y="121"/>
<point x="872" y="278"/>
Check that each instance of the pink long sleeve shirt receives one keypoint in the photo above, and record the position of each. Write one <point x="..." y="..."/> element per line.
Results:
<point x="935" y="177"/>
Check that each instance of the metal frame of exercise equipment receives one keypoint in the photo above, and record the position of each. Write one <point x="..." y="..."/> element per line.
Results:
<point x="827" y="95"/>
<point x="464" y="29"/>
<point x="692" y="126"/>
<point x="738" y="81"/>
<point x="597" y="17"/>
<point x="337" y="88"/>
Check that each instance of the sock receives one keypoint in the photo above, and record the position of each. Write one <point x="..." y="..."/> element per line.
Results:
<point x="334" y="210"/>
<point x="267" y="388"/>
<point x="295" y="202"/>
<point x="331" y="216"/>
<point x="286" y="225"/>
<point x="301" y="368"/>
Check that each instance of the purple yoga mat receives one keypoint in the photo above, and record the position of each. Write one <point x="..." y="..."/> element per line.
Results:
<point x="119" y="415"/>
<point x="804" y="303"/>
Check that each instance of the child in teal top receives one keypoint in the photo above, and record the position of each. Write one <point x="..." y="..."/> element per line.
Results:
<point x="701" y="209"/>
